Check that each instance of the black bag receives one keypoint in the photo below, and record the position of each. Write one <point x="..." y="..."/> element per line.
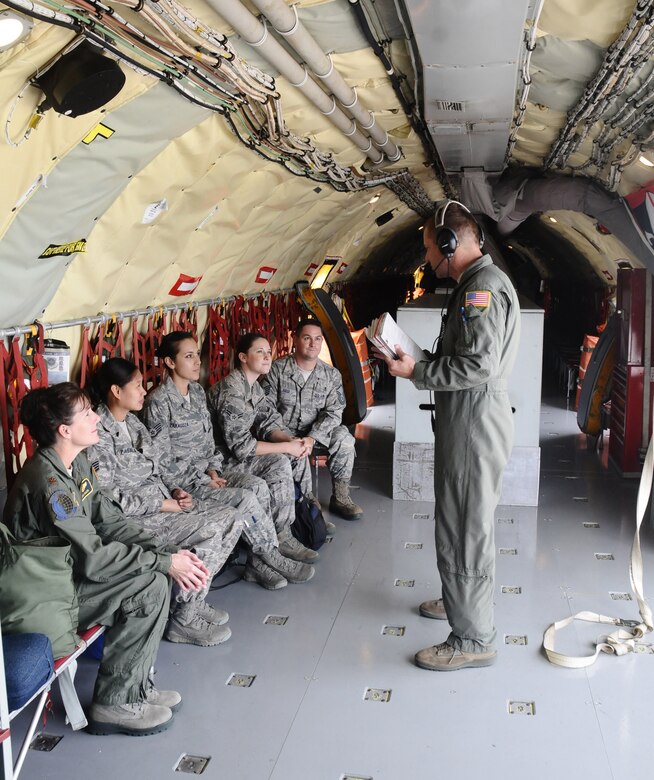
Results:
<point x="309" y="527"/>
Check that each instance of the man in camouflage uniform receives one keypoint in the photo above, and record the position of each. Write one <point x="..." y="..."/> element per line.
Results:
<point x="309" y="396"/>
<point x="474" y="433"/>
<point x="133" y="464"/>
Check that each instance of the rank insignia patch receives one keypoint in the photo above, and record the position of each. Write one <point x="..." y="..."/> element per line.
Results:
<point x="63" y="505"/>
<point x="479" y="298"/>
<point x="85" y="488"/>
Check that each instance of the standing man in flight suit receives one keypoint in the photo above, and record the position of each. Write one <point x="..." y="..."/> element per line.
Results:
<point x="474" y="432"/>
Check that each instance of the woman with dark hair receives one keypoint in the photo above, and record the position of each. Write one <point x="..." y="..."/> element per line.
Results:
<point x="145" y="483"/>
<point x="176" y="412"/>
<point x="251" y="430"/>
<point x="119" y="570"/>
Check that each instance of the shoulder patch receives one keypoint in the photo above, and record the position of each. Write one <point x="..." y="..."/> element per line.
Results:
<point x="52" y="480"/>
<point x="155" y="429"/>
<point x="479" y="298"/>
<point x="63" y="505"/>
<point x="85" y="488"/>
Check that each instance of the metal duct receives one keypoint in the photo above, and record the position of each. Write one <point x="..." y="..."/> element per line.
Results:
<point x="520" y="199"/>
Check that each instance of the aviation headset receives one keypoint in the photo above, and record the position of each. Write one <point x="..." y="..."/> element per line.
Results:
<point x="446" y="238"/>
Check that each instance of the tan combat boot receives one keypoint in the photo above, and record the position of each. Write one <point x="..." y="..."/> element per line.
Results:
<point x="341" y="504"/>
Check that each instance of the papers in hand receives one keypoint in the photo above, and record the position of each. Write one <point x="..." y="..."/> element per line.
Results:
<point x="385" y="333"/>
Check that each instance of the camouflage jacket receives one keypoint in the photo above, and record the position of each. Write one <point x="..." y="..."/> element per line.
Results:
<point x="183" y="430"/>
<point x="312" y="408"/>
<point x="241" y="415"/>
<point x="131" y="470"/>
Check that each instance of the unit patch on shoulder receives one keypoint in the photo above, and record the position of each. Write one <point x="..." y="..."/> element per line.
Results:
<point x="479" y="298"/>
<point x="63" y="505"/>
<point x="85" y="488"/>
<point x="52" y="480"/>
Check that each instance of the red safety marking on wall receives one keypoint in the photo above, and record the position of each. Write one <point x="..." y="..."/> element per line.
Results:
<point x="341" y="268"/>
<point x="185" y="285"/>
<point x="265" y="274"/>
<point x="311" y="269"/>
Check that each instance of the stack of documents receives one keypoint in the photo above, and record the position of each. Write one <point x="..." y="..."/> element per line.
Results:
<point x="385" y="333"/>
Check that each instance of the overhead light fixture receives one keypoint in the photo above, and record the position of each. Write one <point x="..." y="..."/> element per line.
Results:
<point x="323" y="272"/>
<point x="374" y="198"/>
<point x="13" y="29"/>
<point x="552" y="219"/>
<point x="642" y="159"/>
<point x="422" y="227"/>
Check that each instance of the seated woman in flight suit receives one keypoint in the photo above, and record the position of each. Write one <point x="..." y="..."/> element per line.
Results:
<point x="120" y="571"/>
<point x="251" y="430"/>
<point x="176" y="412"/>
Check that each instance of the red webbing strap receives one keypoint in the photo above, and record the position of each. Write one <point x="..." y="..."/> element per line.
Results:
<point x="186" y="320"/>
<point x="16" y="370"/>
<point x="281" y="327"/>
<point x="138" y="348"/>
<point x="219" y="340"/>
<point x="261" y="315"/>
<point x="144" y="347"/>
<point x="87" y="357"/>
<point x="240" y="320"/>
<point x="156" y="331"/>
<point x="107" y="343"/>
<point x="110" y="342"/>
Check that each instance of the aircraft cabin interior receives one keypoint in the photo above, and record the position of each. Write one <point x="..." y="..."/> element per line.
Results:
<point x="220" y="167"/>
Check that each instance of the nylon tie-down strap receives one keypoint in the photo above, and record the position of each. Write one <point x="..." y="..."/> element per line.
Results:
<point x="629" y="632"/>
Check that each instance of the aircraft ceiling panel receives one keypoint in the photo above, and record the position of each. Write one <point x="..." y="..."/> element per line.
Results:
<point x="78" y="192"/>
<point x="467" y="33"/>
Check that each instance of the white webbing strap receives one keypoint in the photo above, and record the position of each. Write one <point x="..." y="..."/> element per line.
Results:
<point x="623" y="640"/>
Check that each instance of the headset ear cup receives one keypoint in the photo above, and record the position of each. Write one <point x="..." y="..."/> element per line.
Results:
<point x="447" y="241"/>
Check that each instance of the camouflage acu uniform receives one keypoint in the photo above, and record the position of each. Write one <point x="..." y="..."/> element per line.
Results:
<point x="242" y="415"/>
<point x="130" y="469"/>
<point x="313" y="408"/>
<point x="183" y="432"/>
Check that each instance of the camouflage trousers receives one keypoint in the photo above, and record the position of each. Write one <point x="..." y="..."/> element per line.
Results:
<point x="210" y="531"/>
<point x="250" y="497"/>
<point x="135" y="611"/>
<point x="277" y="473"/>
<point x="340" y="459"/>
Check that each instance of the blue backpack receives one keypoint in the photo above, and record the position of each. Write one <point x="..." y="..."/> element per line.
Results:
<point x="309" y="526"/>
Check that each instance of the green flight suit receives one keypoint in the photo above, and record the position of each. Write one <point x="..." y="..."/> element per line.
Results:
<point x="119" y="570"/>
<point x="473" y="440"/>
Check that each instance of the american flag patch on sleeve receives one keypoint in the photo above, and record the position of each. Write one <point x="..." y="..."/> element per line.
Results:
<point x="479" y="298"/>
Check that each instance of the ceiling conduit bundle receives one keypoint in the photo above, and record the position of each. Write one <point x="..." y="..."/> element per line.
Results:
<point x="256" y="34"/>
<point x="285" y="21"/>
